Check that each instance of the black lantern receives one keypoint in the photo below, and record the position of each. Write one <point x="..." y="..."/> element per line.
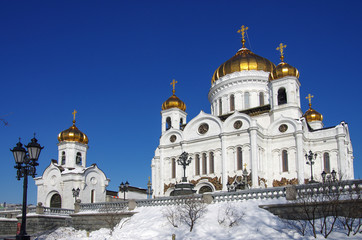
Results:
<point x="76" y="193"/>
<point x="124" y="188"/>
<point x="310" y="161"/>
<point x="26" y="162"/>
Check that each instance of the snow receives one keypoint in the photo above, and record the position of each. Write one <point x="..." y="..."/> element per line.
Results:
<point x="150" y="223"/>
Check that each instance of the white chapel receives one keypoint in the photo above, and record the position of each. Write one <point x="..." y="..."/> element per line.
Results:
<point x="256" y="124"/>
<point x="70" y="173"/>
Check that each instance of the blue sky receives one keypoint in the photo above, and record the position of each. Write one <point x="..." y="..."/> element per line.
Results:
<point x="113" y="62"/>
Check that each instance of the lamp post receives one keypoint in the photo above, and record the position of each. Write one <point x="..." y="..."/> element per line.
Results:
<point x="184" y="160"/>
<point x="124" y="188"/>
<point x="330" y="177"/>
<point x="310" y="161"/>
<point x="149" y="188"/>
<point x="26" y="162"/>
<point x="75" y="193"/>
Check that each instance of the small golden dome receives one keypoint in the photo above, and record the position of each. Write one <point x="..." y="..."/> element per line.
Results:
<point x="312" y="115"/>
<point x="73" y="134"/>
<point x="174" y="102"/>
<point x="243" y="60"/>
<point x="282" y="70"/>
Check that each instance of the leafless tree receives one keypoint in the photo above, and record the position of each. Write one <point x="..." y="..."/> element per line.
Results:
<point x="113" y="216"/>
<point x="229" y="215"/>
<point x="172" y="215"/>
<point x="191" y="210"/>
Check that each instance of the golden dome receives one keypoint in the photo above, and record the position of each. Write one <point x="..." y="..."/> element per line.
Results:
<point x="243" y="60"/>
<point x="283" y="69"/>
<point x="174" y="102"/>
<point x="73" y="134"/>
<point x="312" y="115"/>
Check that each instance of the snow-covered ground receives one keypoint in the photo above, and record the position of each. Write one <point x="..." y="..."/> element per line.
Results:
<point x="150" y="223"/>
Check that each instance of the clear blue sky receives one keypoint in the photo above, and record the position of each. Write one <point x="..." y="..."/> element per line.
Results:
<point x="113" y="62"/>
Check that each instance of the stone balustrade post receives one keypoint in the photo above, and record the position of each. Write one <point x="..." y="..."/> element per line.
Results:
<point x="131" y="204"/>
<point x="207" y="198"/>
<point x="291" y="192"/>
<point x="77" y="206"/>
<point x="39" y="208"/>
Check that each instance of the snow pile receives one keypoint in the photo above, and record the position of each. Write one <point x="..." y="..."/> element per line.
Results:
<point x="150" y="223"/>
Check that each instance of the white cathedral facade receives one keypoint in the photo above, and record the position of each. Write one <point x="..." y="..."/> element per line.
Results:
<point x="256" y="123"/>
<point x="70" y="172"/>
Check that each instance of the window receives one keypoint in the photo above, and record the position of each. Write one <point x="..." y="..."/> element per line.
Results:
<point x="204" y="164"/>
<point x="220" y="107"/>
<point x="285" y="160"/>
<point x="173" y="162"/>
<point x="56" y="201"/>
<point x="247" y="100"/>
<point x="197" y="164"/>
<point x="181" y="123"/>
<point x="282" y="96"/>
<point x="92" y="196"/>
<point x="232" y="102"/>
<point x="261" y="98"/>
<point x="78" y="158"/>
<point x="327" y="166"/>
<point x="205" y="189"/>
<point x="168" y="123"/>
<point x="211" y="162"/>
<point x="63" y="158"/>
<point x="239" y="158"/>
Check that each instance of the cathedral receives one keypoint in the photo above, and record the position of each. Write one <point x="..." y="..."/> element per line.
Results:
<point x="256" y="125"/>
<point x="69" y="178"/>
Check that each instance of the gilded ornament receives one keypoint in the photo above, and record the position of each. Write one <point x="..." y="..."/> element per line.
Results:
<point x="284" y="182"/>
<point x="283" y="69"/>
<point x="173" y="101"/>
<point x="73" y="134"/>
<point x="214" y="181"/>
<point x="312" y="115"/>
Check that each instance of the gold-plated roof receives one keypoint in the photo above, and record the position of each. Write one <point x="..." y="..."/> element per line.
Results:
<point x="73" y="134"/>
<point x="174" y="101"/>
<point x="243" y="60"/>
<point x="283" y="69"/>
<point x="312" y="115"/>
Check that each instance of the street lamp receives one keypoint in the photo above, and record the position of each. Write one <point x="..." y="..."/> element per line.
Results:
<point x="310" y="161"/>
<point x="330" y="177"/>
<point x="26" y="162"/>
<point x="149" y="188"/>
<point x="184" y="160"/>
<point x="75" y="193"/>
<point x="124" y="188"/>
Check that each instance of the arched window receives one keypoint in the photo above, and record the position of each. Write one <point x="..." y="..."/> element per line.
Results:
<point x="78" y="158"/>
<point x="232" y="102"/>
<point x="285" y="160"/>
<point x="63" y="158"/>
<point x="56" y="201"/>
<point x="205" y="189"/>
<point x="92" y="196"/>
<point x="168" y="123"/>
<point x="247" y="100"/>
<point x="220" y="107"/>
<point x="173" y="162"/>
<point x="204" y="164"/>
<point x="211" y="162"/>
<point x="282" y="96"/>
<point x="327" y="166"/>
<point x="261" y="98"/>
<point x="197" y="164"/>
<point x="181" y="123"/>
<point x="239" y="158"/>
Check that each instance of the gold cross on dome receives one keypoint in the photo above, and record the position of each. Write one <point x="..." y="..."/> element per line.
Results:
<point x="173" y="83"/>
<point x="309" y="97"/>
<point x="74" y="112"/>
<point x="245" y="165"/>
<point x="281" y="50"/>
<point x="242" y="31"/>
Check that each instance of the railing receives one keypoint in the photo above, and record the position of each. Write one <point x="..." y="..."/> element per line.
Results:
<point x="337" y="187"/>
<point x="57" y="211"/>
<point x="103" y="207"/>
<point x="166" y="201"/>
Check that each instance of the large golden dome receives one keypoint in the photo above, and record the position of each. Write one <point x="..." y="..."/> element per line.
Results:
<point x="243" y="60"/>
<point x="174" y="102"/>
<point x="73" y="134"/>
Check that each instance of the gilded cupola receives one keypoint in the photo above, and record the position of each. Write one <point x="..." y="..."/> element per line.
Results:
<point x="73" y="134"/>
<point x="243" y="60"/>
<point x="283" y="69"/>
<point x="312" y="115"/>
<point x="174" y="101"/>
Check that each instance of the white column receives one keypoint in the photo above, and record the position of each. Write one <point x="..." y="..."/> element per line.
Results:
<point x="254" y="156"/>
<point x="223" y="163"/>
<point x="342" y="160"/>
<point x="300" y="160"/>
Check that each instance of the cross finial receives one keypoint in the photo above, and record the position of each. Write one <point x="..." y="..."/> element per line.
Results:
<point x="74" y="112"/>
<point x="245" y="165"/>
<point x="281" y="50"/>
<point x="309" y="97"/>
<point x="242" y="31"/>
<point x="173" y="83"/>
